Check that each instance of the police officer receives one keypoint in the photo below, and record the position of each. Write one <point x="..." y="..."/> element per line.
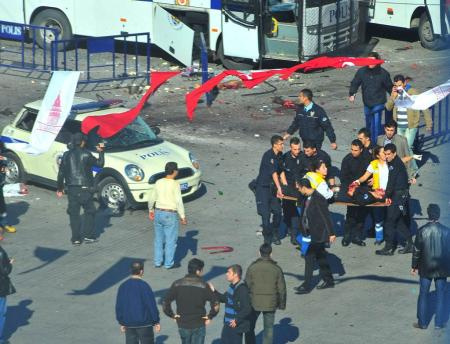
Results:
<point x="268" y="187"/>
<point x="292" y="171"/>
<point x="75" y="173"/>
<point x="311" y="154"/>
<point x="397" y="191"/>
<point x="311" y="121"/>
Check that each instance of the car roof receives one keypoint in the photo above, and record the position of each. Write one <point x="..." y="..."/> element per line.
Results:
<point x="84" y="107"/>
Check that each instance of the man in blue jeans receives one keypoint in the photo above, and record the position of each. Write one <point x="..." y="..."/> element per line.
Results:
<point x="375" y="84"/>
<point x="165" y="205"/>
<point x="431" y="257"/>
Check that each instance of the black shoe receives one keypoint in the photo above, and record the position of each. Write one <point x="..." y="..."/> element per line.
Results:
<point x="386" y="251"/>
<point x="358" y="242"/>
<point x="174" y="266"/>
<point x="345" y="242"/>
<point x="276" y="241"/>
<point x="416" y="325"/>
<point x="302" y="289"/>
<point x="407" y="249"/>
<point x="90" y="240"/>
<point x="325" y="285"/>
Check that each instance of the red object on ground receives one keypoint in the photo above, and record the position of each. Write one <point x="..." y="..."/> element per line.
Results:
<point x="111" y="124"/>
<point x="288" y="104"/>
<point x="218" y="249"/>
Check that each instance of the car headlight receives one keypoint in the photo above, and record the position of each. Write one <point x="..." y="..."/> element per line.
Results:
<point x="194" y="161"/>
<point x="134" y="172"/>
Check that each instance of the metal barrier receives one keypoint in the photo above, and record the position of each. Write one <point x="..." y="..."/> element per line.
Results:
<point x="121" y="53"/>
<point x="440" y="130"/>
<point x="26" y="55"/>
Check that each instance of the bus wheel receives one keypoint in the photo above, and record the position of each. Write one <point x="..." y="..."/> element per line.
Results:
<point x="233" y="62"/>
<point x="427" y="39"/>
<point x="52" y="19"/>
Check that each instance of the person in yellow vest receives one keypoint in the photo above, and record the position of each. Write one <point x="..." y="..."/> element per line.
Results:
<point x="379" y="171"/>
<point x="317" y="178"/>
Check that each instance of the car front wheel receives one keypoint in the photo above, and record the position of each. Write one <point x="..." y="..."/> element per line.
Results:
<point x="14" y="169"/>
<point x="112" y="194"/>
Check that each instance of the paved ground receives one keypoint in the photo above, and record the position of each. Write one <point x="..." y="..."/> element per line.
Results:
<point x="67" y="294"/>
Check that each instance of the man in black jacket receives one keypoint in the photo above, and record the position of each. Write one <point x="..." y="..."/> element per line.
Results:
<point x="311" y="154"/>
<point x="397" y="196"/>
<point x="375" y="82"/>
<point x="237" y="307"/>
<point x="311" y="121"/>
<point x="6" y="288"/>
<point x="191" y="294"/>
<point x="353" y="166"/>
<point x="431" y="257"/>
<point x="317" y="224"/>
<point x="75" y="173"/>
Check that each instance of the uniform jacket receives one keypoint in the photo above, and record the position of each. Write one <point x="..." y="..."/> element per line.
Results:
<point x="413" y="115"/>
<point x="190" y="293"/>
<point x="76" y="167"/>
<point x="312" y="124"/>
<point x="320" y="225"/>
<point x="6" y="287"/>
<point x="265" y="279"/>
<point x="431" y="251"/>
<point x="241" y="305"/>
<point x="375" y="84"/>
<point x="403" y="150"/>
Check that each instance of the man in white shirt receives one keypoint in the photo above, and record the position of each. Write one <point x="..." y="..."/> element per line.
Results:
<point x="165" y="205"/>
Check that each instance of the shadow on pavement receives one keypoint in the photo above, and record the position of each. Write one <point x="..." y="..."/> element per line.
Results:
<point x="186" y="243"/>
<point x="116" y="273"/>
<point x="16" y="317"/>
<point x="15" y="210"/>
<point x="46" y="255"/>
<point x="161" y="339"/>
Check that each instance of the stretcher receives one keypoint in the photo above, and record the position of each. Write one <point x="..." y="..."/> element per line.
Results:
<point x="348" y="204"/>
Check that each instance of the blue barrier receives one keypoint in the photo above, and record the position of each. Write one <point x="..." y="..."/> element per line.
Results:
<point x="18" y="56"/>
<point x="440" y="130"/>
<point x="120" y="48"/>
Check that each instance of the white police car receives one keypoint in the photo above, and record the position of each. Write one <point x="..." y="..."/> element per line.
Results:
<point x="134" y="158"/>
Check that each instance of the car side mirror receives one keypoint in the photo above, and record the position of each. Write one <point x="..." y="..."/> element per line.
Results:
<point x="156" y="129"/>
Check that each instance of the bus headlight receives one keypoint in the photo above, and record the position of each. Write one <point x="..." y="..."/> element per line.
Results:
<point x="194" y="161"/>
<point x="313" y="29"/>
<point x="134" y="172"/>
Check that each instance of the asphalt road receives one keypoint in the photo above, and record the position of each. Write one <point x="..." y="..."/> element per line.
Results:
<point x="67" y="294"/>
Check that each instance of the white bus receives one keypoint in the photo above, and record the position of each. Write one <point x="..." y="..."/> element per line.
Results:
<point x="239" y="32"/>
<point x="430" y="17"/>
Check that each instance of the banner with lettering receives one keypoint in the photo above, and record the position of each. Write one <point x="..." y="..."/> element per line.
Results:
<point x="54" y="110"/>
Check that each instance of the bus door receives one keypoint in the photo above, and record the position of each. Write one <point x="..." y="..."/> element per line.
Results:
<point x="240" y="28"/>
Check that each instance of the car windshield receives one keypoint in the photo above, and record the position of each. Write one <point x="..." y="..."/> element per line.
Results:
<point x="136" y="135"/>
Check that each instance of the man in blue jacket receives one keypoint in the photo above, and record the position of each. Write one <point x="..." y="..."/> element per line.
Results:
<point x="136" y="309"/>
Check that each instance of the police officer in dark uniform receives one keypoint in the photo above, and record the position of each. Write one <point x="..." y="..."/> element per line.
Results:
<point x="268" y="187"/>
<point x="76" y="179"/>
<point x="364" y="137"/>
<point x="397" y="191"/>
<point x="292" y="171"/>
<point x="311" y="154"/>
<point x="311" y="121"/>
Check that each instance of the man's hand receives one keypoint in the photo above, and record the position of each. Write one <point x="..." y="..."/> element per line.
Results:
<point x="394" y="93"/>
<point x="233" y="323"/>
<point x="370" y="182"/>
<point x="59" y="194"/>
<point x="388" y="201"/>
<point x="207" y="320"/>
<point x="176" y="317"/>
<point x="151" y="215"/>
<point x="332" y="238"/>
<point x="333" y="146"/>
<point x="280" y="193"/>
<point x="157" y="328"/>
<point x="183" y="221"/>
<point x="122" y="329"/>
<point x="351" y="99"/>
<point x="413" y="181"/>
<point x="413" y="272"/>
<point x="286" y="136"/>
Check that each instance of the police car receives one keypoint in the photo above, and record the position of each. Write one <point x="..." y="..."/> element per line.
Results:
<point x="134" y="158"/>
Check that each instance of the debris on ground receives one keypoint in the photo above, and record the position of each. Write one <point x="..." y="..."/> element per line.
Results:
<point x="230" y="85"/>
<point x="286" y="103"/>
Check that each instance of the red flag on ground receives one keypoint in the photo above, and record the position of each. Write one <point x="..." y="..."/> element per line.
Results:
<point x="255" y="78"/>
<point x="111" y="124"/>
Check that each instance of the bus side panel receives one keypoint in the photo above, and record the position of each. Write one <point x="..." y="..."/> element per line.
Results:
<point x="12" y="11"/>
<point x="398" y="18"/>
<point x="215" y="28"/>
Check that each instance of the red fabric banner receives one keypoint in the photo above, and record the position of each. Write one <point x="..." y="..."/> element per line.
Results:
<point x="255" y="78"/>
<point x="111" y="124"/>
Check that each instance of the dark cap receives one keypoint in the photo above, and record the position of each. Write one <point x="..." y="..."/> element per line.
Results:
<point x="78" y="138"/>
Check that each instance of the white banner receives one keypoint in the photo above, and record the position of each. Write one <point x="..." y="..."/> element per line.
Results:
<point x="55" y="109"/>
<point x="426" y="99"/>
